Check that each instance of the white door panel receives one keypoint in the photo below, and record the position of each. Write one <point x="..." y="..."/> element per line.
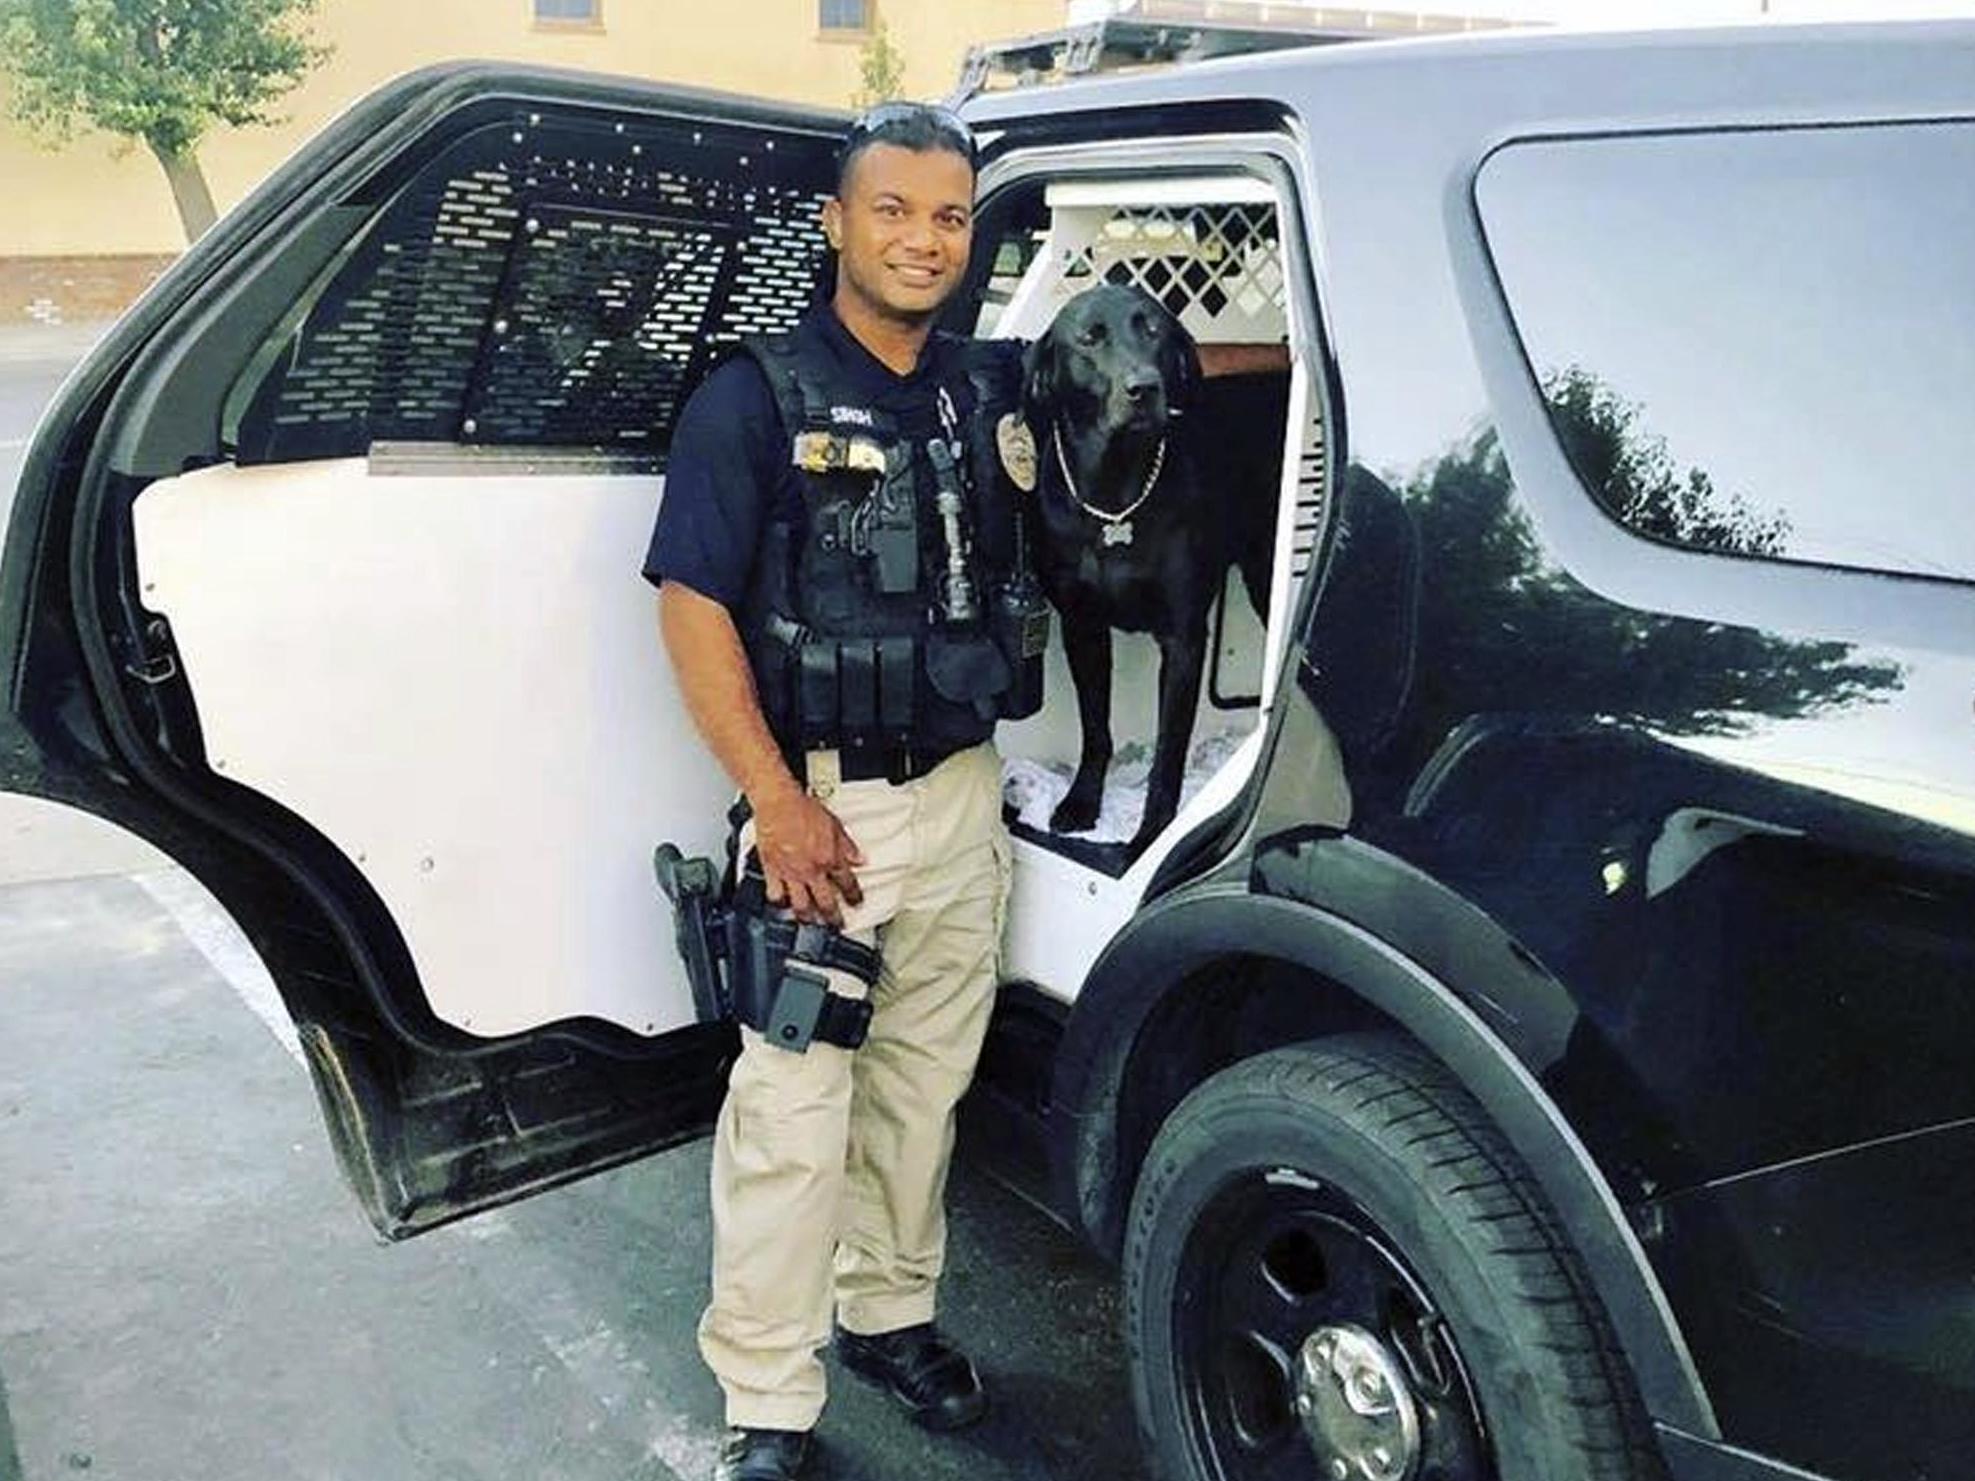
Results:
<point x="458" y="681"/>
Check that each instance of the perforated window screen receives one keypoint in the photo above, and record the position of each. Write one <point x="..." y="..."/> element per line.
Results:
<point x="550" y="281"/>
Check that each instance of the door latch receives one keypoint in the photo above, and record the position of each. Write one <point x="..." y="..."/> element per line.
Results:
<point x="158" y="663"/>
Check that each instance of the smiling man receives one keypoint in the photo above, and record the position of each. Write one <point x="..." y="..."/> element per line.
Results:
<point x="824" y="557"/>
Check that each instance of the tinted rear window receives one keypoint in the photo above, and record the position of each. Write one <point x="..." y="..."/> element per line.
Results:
<point x="1773" y="332"/>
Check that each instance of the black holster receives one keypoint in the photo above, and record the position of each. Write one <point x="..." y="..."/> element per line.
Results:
<point x="756" y="963"/>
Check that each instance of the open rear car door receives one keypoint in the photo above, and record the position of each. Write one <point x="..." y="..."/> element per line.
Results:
<point x="323" y="577"/>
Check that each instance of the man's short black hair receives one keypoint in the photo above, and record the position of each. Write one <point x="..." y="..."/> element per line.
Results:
<point x="915" y="126"/>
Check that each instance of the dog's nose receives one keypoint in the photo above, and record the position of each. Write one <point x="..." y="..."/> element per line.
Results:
<point x="1141" y="385"/>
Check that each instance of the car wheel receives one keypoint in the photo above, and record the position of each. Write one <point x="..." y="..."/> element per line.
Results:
<point x="1337" y="1269"/>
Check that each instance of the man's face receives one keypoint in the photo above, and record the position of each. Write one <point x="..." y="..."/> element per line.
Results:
<point x="902" y="227"/>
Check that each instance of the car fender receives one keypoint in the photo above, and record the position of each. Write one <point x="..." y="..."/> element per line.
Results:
<point x="1187" y="931"/>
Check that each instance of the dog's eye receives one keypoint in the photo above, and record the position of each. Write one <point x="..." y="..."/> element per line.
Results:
<point x="1093" y="335"/>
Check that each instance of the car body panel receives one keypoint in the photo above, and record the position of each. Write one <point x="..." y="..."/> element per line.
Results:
<point x="1668" y="854"/>
<point x="431" y="1119"/>
<point x="487" y="601"/>
<point x="1724" y="805"/>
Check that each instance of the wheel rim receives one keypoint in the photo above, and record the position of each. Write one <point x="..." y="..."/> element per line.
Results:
<point x="1307" y="1350"/>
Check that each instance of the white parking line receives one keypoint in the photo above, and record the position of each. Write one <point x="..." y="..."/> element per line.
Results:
<point x="601" y="1361"/>
<point x="213" y="932"/>
<point x="604" y="1363"/>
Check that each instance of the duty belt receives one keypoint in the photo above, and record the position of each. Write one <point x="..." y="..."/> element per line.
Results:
<point x="895" y="764"/>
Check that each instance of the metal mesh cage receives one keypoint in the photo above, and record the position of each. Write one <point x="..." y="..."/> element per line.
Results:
<point x="553" y="281"/>
<point x="1214" y="262"/>
<point x="1206" y="264"/>
<point x="1209" y="249"/>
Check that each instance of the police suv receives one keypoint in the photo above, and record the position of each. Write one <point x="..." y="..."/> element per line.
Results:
<point x="1543" y="1045"/>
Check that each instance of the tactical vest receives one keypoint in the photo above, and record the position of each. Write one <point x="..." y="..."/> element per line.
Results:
<point x="899" y="617"/>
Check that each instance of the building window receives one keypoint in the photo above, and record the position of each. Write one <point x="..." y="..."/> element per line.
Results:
<point x="846" y="15"/>
<point x="1757" y="343"/>
<point x="569" y="12"/>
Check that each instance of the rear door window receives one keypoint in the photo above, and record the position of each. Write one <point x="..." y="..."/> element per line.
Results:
<point x="1766" y="338"/>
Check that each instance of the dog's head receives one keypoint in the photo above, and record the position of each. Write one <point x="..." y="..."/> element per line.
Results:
<point x="1113" y="361"/>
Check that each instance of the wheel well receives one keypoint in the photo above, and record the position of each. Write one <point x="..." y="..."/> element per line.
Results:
<point x="1204" y="980"/>
<point x="1225" y="1011"/>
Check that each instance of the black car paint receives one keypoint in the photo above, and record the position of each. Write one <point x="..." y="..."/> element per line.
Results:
<point x="1763" y="1188"/>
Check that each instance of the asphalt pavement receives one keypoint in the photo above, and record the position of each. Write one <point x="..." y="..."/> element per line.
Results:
<point x="187" y="1289"/>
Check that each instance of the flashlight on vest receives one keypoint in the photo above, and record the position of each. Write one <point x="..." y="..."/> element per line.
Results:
<point x="957" y="601"/>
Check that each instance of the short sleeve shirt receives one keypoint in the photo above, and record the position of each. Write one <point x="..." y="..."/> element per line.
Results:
<point x="729" y="472"/>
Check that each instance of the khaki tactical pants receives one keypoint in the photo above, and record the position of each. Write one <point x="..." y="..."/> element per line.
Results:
<point x="829" y="1167"/>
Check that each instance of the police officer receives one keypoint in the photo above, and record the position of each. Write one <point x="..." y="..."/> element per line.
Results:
<point x="829" y="554"/>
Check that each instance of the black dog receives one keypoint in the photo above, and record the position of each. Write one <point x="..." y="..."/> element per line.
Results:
<point x="1133" y="533"/>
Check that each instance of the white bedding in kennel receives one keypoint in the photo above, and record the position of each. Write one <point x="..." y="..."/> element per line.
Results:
<point x="1033" y="788"/>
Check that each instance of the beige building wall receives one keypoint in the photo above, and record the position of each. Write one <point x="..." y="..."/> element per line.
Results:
<point x="102" y="197"/>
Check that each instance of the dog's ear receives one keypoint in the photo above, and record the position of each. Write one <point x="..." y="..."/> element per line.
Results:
<point x="1039" y="373"/>
<point x="1180" y="364"/>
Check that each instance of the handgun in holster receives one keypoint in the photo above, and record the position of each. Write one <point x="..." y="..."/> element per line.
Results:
<point x="756" y="963"/>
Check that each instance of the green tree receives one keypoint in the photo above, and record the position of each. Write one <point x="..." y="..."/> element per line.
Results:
<point x="157" y="71"/>
<point x="880" y="70"/>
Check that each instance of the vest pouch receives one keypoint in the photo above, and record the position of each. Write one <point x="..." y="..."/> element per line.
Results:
<point x="898" y="683"/>
<point x="857" y="687"/>
<point x="816" y="692"/>
<point x="893" y="538"/>
<point x="855" y="690"/>
<point x="967" y="668"/>
<point x="1021" y="632"/>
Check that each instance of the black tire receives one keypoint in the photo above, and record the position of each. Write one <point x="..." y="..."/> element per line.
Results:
<point x="1345" y="1206"/>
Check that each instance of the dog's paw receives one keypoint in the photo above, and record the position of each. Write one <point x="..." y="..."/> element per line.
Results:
<point x="1076" y="812"/>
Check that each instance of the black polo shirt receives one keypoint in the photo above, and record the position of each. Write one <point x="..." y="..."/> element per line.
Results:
<point x="729" y="469"/>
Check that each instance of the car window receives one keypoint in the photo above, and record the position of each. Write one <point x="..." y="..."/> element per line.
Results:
<point x="1764" y="338"/>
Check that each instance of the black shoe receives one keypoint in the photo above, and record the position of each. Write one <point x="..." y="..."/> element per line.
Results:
<point x="764" y="1455"/>
<point x="922" y="1370"/>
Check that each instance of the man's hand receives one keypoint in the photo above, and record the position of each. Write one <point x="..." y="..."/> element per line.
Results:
<point x="806" y="856"/>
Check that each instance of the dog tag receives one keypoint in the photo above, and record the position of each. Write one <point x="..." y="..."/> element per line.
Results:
<point x="1118" y="534"/>
<point x="1017" y="445"/>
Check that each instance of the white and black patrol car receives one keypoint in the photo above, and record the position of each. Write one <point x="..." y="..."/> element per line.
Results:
<point x="1542" y="1047"/>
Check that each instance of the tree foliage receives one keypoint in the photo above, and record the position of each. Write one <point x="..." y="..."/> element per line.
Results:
<point x="880" y="70"/>
<point x="159" y="71"/>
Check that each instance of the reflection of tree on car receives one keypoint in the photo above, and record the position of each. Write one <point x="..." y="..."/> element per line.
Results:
<point x="1494" y="620"/>
<point x="1630" y="472"/>
<point x="1531" y="761"/>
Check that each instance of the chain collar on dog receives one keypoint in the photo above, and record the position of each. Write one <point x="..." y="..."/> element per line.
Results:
<point x="1117" y="525"/>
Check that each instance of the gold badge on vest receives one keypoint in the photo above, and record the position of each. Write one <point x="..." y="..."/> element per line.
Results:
<point x="1018" y="451"/>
